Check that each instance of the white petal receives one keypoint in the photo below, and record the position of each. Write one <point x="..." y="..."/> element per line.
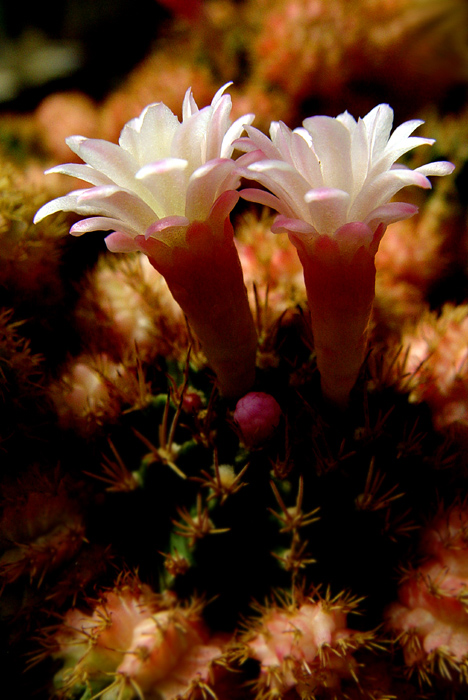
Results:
<point x="66" y="203"/>
<point x="233" y="133"/>
<point x="81" y="171"/>
<point x="382" y="189"/>
<point x="149" y="137"/>
<point x="392" y="154"/>
<point x="105" y="157"/>
<point x="189" y="106"/>
<point x="389" y="213"/>
<point x="305" y="159"/>
<point x="378" y="126"/>
<point x="440" y="167"/>
<point x="332" y="144"/>
<point x="220" y="93"/>
<point x="217" y="126"/>
<point x="190" y="140"/>
<point x="119" y="242"/>
<point x="281" y="136"/>
<point x="360" y="155"/>
<point x="114" y="162"/>
<point x="328" y="208"/>
<point x="262" y="142"/>
<point x="116" y="203"/>
<point x="101" y="223"/>
<point x="402" y="132"/>
<point x="252" y="194"/>
<point x="283" y="224"/>
<point x="167" y="181"/>
<point x="285" y="182"/>
<point x="347" y="120"/>
<point x="205" y="186"/>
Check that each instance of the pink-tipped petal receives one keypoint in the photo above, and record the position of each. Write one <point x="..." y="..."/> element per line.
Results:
<point x="119" y="242"/>
<point x="254" y="194"/>
<point x="390" y="213"/>
<point x="114" y="202"/>
<point x="382" y="189"/>
<point x="353" y="236"/>
<point x="101" y="223"/>
<point x="283" y="224"/>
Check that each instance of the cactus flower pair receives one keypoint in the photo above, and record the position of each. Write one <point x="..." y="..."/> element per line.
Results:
<point x="168" y="189"/>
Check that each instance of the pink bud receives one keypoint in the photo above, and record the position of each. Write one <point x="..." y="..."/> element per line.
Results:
<point x="257" y="414"/>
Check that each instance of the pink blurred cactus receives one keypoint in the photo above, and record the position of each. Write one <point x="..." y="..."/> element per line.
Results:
<point x="134" y="642"/>
<point x="430" y="620"/>
<point x="305" y="645"/>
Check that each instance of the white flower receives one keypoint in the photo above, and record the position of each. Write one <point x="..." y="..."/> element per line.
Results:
<point x="331" y="172"/>
<point x="163" y="174"/>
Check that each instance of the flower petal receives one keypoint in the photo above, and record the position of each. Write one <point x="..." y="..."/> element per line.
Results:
<point x="440" y="167"/>
<point x="101" y="223"/>
<point x="170" y="230"/>
<point x="378" y="123"/>
<point x="113" y="161"/>
<point x="233" y="133"/>
<point x="328" y="208"/>
<point x="382" y="189"/>
<point x="167" y="181"/>
<point x="389" y="213"/>
<point x="112" y="201"/>
<point x="119" y="242"/>
<point x="402" y="132"/>
<point x="254" y="194"/>
<point x="283" y="224"/>
<point x="392" y="154"/>
<point x="66" y="203"/>
<point x="218" y="124"/>
<point x="284" y="181"/>
<point x="258" y="140"/>
<point x="332" y="144"/>
<point x="304" y="157"/>
<point x="81" y="171"/>
<point x="149" y="136"/>
<point x="206" y="184"/>
<point x="189" y="106"/>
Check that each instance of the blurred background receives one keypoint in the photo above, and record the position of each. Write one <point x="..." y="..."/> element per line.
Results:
<point x="287" y="58"/>
<point x="81" y="45"/>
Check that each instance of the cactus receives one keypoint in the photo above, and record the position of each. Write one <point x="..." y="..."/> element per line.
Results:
<point x="188" y="510"/>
